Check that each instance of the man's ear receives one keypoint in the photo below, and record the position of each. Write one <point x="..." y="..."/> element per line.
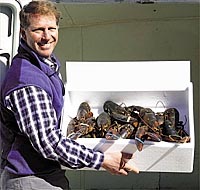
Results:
<point x="23" y="33"/>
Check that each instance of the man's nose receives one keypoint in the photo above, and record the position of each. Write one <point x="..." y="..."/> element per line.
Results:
<point x="46" y="34"/>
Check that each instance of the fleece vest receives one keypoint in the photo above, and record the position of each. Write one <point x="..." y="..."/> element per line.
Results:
<point x="27" y="69"/>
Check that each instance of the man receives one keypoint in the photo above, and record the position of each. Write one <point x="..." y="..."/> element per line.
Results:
<point x="31" y="104"/>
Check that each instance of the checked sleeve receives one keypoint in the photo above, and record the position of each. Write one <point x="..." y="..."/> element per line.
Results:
<point x="36" y="119"/>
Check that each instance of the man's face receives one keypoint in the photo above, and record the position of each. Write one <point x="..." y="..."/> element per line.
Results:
<point x="42" y="34"/>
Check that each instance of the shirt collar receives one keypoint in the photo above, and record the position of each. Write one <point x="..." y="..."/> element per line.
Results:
<point x="52" y="64"/>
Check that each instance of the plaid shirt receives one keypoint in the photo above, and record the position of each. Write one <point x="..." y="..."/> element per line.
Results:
<point x="36" y="118"/>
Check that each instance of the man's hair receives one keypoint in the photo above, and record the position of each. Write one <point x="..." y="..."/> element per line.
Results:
<point x="40" y="7"/>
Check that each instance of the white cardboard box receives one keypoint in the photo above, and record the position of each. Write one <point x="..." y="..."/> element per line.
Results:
<point x="135" y="83"/>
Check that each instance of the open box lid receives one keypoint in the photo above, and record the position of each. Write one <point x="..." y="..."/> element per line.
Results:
<point x="125" y="76"/>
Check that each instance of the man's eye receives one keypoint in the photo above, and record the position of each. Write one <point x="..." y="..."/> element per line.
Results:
<point x="38" y="30"/>
<point x="52" y="29"/>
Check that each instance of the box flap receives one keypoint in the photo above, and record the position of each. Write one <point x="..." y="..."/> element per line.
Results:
<point x="128" y="75"/>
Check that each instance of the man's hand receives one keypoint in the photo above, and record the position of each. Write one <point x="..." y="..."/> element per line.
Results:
<point x="116" y="163"/>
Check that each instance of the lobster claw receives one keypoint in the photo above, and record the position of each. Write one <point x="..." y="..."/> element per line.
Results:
<point x="170" y="134"/>
<point x="103" y="123"/>
<point x="172" y="115"/>
<point x="149" y="118"/>
<point x="154" y="136"/>
<point x="139" y="143"/>
<point x="140" y="137"/>
<point x="84" y="112"/>
<point x="112" y="133"/>
<point x="126" y="131"/>
<point x="143" y="134"/>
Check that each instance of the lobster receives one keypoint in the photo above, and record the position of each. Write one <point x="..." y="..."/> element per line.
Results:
<point x="132" y="122"/>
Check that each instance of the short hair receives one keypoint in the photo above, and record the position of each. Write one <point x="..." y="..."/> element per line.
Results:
<point x="41" y="7"/>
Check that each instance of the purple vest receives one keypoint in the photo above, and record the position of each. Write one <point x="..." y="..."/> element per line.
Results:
<point x="27" y="69"/>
